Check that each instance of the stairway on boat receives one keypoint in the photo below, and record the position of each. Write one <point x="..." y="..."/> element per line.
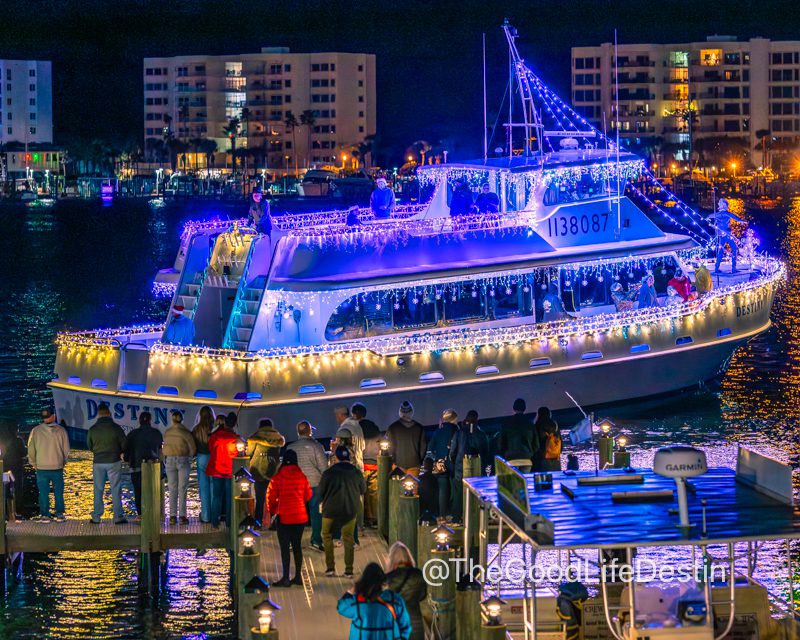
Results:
<point x="244" y="318"/>
<point x="189" y="294"/>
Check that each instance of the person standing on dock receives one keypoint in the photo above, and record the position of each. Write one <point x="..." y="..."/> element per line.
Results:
<point x="382" y="201"/>
<point x="548" y="432"/>
<point x="372" y="448"/>
<point x="517" y="442"/>
<point x="106" y="441"/>
<point x="407" y="440"/>
<point x="264" y="451"/>
<point x="313" y="462"/>
<point x="340" y="489"/>
<point x="201" y="433"/>
<point x="407" y="581"/>
<point x="377" y="613"/>
<point x="468" y="440"/>
<point x="48" y="449"/>
<point x="143" y="443"/>
<point x="222" y="447"/>
<point x="178" y="450"/>
<point x="439" y="452"/>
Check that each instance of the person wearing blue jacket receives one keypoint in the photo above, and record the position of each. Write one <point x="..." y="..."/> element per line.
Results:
<point x="468" y="440"/>
<point x="439" y="452"/>
<point x="180" y="329"/>
<point x="377" y="613"/>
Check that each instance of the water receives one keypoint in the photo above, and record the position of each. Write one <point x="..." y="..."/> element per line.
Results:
<point x="81" y="265"/>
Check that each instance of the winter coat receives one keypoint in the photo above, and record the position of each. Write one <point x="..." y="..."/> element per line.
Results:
<point x="428" y="494"/>
<point x="106" y="440"/>
<point x="179" y="331"/>
<point x="143" y="443"/>
<point x="553" y="306"/>
<point x="702" y="280"/>
<point x="311" y="458"/>
<point x="409" y="584"/>
<point x="682" y="285"/>
<point x="374" y="620"/>
<point x="468" y="440"/>
<point x="178" y="442"/>
<point x="487" y="202"/>
<point x="264" y="451"/>
<point x="48" y="447"/>
<point x="222" y="447"/>
<point x="287" y="495"/>
<point x="543" y="427"/>
<point x="382" y="202"/>
<point x="647" y="296"/>
<point x="461" y="201"/>
<point x="439" y="445"/>
<point x="351" y="435"/>
<point x="406" y="443"/>
<point x="372" y="441"/>
<point x="517" y="438"/>
<point x="340" y="490"/>
<point x="201" y="441"/>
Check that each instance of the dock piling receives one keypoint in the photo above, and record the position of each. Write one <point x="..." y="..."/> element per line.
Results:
<point x="407" y="517"/>
<point x="384" y="469"/>
<point x="468" y="609"/>
<point x="395" y="491"/>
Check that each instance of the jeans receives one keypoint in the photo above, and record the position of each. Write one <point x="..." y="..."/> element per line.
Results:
<point x="204" y="487"/>
<point x="43" y="481"/>
<point x="291" y="535"/>
<point x="315" y="517"/>
<point x="220" y="499"/>
<point x="444" y="481"/>
<point x="722" y="240"/>
<point x="178" y="468"/>
<point x="136" y="481"/>
<point x="112" y="471"/>
<point x="348" y="528"/>
<point x="260" y="489"/>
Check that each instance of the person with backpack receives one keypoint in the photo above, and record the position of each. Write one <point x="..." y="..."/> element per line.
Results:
<point x="377" y="613"/>
<point x="549" y="435"/>
<point x="264" y="451"/>
<point x="406" y="580"/>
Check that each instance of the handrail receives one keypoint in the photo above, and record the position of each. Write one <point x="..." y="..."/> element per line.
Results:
<point x="227" y="341"/>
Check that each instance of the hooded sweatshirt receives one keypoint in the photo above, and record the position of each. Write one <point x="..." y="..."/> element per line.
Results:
<point x="48" y="447"/>
<point x="406" y="442"/>
<point x="178" y="442"/>
<point x="264" y="450"/>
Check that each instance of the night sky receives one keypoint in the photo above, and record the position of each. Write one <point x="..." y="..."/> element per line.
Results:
<point x="428" y="53"/>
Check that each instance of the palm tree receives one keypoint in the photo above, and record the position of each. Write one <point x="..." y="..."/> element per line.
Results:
<point x="308" y="119"/>
<point x="292" y="123"/>
<point x="762" y="135"/>
<point x="167" y="127"/>
<point x="208" y="148"/>
<point x="183" y="116"/>
<point x="195" y="143"/>
<point x="232" y="131"/>
<point x="176" y="147"/>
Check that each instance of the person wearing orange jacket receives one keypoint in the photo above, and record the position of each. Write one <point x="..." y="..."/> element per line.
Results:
<point x="222" y="450"/>
<point x="287" y="496"/>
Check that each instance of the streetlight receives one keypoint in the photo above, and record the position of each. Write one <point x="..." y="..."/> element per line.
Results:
<point x="733" y="167"/>
<point x="344" y="159"/>
<point x="410" y="158"/>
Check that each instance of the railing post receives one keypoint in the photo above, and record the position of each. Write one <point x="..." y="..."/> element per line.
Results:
<point x="247" y="563"/>
<point x="468" y="609"/>
<point x="472" y="469"/>
<point x="395" y="489"/>
<point x="442" y="595"/>
<point x="407" y="517"/>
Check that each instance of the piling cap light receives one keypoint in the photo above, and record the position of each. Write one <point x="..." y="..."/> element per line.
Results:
<point x="606" y="426"/>
<point x="266" y="613"/>
<point x="248" y="537"/>
<point x="244" y="486"/>
<point x="384" y="445"/>
<point x="240" y="447"/>
<point x="493" y="606"/>
<point x="442" y="535"/>
<point x="621" y="442"/>
<point x="410" y="484"/>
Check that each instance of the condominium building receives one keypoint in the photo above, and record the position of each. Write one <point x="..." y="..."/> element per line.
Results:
<point x="26" y="102"/>
<point x="723" y="87"/>
<point x="329" y="96"/>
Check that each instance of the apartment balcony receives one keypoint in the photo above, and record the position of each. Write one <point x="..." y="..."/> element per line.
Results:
<point x="712" y="112"/>
<point x="235" y="83"/>
<point x="636" y="95"/>
<point x="624" y="64"/>
<point x="676" y="96"/>
<point x="707" y="77"/>
<point x="623" y="79"/>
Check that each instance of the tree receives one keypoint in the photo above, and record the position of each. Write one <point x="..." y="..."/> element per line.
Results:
<point x="308" y="119"/>
<point x="183" y="116"/>
<point x="232" y="131"/>
<point x="176" y="147"/>
<point x="291" y="122"/>
<point x="762" y="135"/>
<point x="194" y="144"/>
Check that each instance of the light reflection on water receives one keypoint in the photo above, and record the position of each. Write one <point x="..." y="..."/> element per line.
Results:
<point x="80" y="265"/>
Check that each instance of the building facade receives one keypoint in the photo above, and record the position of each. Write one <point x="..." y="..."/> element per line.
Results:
<point x="721" y="88"/>
<point x="26" y="110"/>
<point x="295" y="110"/>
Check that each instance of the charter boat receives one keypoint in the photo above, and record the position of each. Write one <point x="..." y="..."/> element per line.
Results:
<point x="533" y="299"/>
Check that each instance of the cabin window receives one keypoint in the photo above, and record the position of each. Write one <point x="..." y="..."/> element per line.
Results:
<point x="509" y="300"/>
<point x="592" y="355"/>
<point x="640" y="348"/>
<point x="684" y="340"/>
<point x="539" y="362"/>
<point x="431" y="376"/>
<point x="205" y="393"/>
<point x="360" y="316"/>
<point x="464" y="304"/>
<point x="415" y="309"/>
<point x="587" y="187"/>
<point x="133" y="386"/>
<point x="311" y="388"/>
<point x="99" y="383"/>
<point x="372" y="383"/>
<point x="167" y="391"/>
<point x="247" y="395"/>
<point x="487" y="370"/>
<point x="74" y="379"/>
<point x="721" y="333"/>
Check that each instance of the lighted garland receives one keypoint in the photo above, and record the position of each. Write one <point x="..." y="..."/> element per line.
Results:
<point x="164" y="289"/>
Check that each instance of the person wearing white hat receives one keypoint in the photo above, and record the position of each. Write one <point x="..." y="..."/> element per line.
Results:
<point x="382" y="200"/>
<point x="180" y="328"/>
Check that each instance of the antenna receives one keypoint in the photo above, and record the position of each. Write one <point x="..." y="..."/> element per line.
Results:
<point x="616" y="93"/>
<point x="485" y="127"/>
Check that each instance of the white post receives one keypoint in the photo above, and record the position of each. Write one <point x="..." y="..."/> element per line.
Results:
<point x="683" y="505"/>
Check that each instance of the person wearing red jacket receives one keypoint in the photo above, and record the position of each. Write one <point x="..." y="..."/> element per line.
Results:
<point x="287" y="496"/>
<point x="222" y="451"/>
<point x="681" y="283"/>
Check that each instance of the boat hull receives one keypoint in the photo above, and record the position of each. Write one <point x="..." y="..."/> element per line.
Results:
<point x="591" y="384"/>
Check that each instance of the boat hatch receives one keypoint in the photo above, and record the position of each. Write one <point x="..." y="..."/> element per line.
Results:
<point x="372" y="383"/>
<point x="431" y="376"/>
<point x="205" y="393"/>
<point x="74" y="379"/>
<point x="684" y="340"/>
<point x="99" y="383"/>
<point x="311" y="388"/>
<point x="486" y="370"/>
<point x="539" y="362"/>
<point x="165" y="390"/>
<point x="640" y="348"/>
<point x="721" y="333"/>
<point x="592" y="355"/>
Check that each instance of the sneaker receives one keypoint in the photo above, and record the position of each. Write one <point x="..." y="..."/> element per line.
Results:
<point x="121" y="521"/>
<point x="298" y="580"/>
<point x="42" y="519"/>
<point x="331" y="573"/>
<point x="283" y="582"/>
<point x="317" y="547"/>
<point x="356" y="545"/>
<point x="60" y="517"/>
<point x="94" y="521"/>
<point x="184" y="520"/>
<point x="173" y="520"/>
<point x="349" y="575"/>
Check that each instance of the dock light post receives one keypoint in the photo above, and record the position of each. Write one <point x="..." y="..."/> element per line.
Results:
<point x="384" y="468"/>
<point x="442" y="595"/>
<point x="395" y="491"/>
<point x="493" y="629"/>
<point x="622" y="457"/>
<point x="425" y="540"/>
<point x="468" y="608"/>
<point x="408" y="513"/>
<point x="248" y="584"/>
<point x="265" y="629"/>
<point x="605" y="444"/>
<point x="248" y="540"/>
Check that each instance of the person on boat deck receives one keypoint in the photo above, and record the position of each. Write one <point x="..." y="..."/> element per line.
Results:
<point x="461" y="199"/>
<point x="702" y="279"/>
<point x="259" y="215"/>
<point x="722" y="224"/>
<point x="180" y="329"/>
<point x="377" y="613"/>
<point x="487" y="201"/>
<point x="553" y="306"/>
<point x="681" y="283"/>
<point x="672" y="297"/>
<point x="382" y="200"/>
<point x="647" y="293"/>
<point x="352" y="219"/>
<point x="620" y="299"/>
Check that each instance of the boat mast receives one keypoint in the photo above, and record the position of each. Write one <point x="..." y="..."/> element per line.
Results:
<point x="485" y="128"/>
<point x="616" y="92"/>
<point x="530" y="116"/>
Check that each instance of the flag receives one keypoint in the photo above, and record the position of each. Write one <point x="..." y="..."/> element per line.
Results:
<point x="581" y="432"/>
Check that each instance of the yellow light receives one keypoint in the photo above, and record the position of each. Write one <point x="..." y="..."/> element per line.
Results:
<point x="240" y="446"/>
<point x="410" y="158"/>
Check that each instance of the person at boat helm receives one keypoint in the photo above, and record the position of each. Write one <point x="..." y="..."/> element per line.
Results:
<point x="180" y="329"/>
<point x="722" y="225"/>
<point x="382" y="200"/>
<point x="487" y="201"/>
<point x="259" y="214"/>
<point x="461" y="200"/>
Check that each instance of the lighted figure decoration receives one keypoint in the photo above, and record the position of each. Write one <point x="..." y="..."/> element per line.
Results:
<point x="749" y="246"/>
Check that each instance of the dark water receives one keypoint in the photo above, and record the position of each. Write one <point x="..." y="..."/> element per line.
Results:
<point x="82" y="265"/>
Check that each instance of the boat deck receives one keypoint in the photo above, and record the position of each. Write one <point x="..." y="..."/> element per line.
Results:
<point x="586" y="516"/>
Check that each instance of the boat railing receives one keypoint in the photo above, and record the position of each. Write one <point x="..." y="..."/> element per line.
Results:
<point x="114" y="338"/>
<point x="227" y="341"/>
